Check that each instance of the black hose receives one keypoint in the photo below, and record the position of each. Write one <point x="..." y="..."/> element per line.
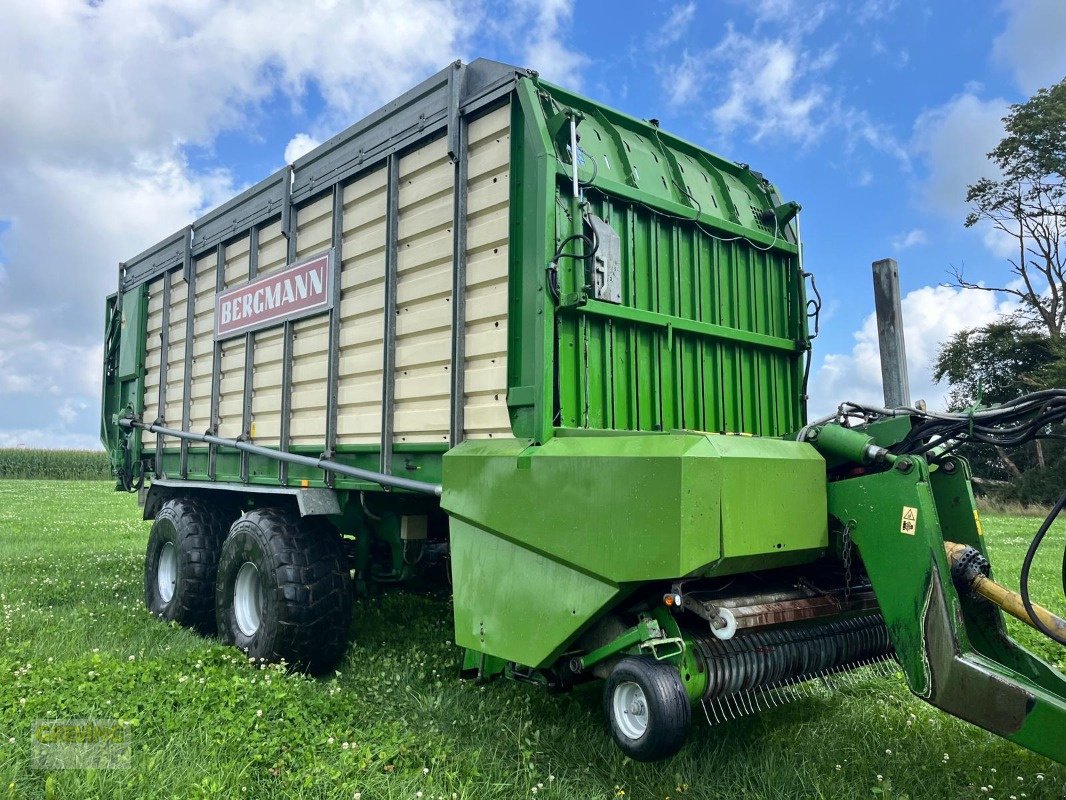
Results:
<point x="1027" y="564"/>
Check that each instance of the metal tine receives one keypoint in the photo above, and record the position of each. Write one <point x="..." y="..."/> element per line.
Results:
<point x="745" y="698"/>
<point x="731" y="700"/>
<point x="768" y="697"/>
<point x="755" y="697"/>
<point x="716" y="709"/>
<point x="717" y="703"/>
<point x="707" y="716"/>
<point x="729" y="707"/>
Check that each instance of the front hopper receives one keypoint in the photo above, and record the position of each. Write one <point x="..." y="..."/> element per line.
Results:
<point x="546" y="539"/>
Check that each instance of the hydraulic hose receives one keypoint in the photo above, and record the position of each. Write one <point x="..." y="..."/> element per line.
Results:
<point x="1027" y="564"/>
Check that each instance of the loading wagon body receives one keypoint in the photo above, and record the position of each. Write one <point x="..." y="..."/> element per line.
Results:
<point x="500" y="331"/>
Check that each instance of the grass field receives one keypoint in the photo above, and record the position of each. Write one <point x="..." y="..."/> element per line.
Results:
<point x="395" y="722"/>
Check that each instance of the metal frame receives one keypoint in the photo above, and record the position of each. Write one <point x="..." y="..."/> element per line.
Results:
<point x="216" y="357"/>
<point x="283" y="457"/>
<point x="458" y="356"/>
<point x="311" y="502"/>
<point x="249" y="353"/>
<point x="388" y="369"/>
<point x="164" y="357"/>
<point x="288" y="230"/>
<point x="333" y="367"/>
<point x="189" y="268"/>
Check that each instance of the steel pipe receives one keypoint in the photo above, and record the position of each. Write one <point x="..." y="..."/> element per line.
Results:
<point x="380" y="478"/>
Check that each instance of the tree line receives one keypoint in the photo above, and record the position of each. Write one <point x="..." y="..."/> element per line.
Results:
<point x="1024" y="351"/>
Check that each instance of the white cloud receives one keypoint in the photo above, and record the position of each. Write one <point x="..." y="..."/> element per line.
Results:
<point x="766" y="93"/>
<point x="299" y="145"/>
<point x="912" y="238"/>
<point x="676" y="24"/>
<point x="541" y="25"/>
<point x="1031" y="45"/>
<point x="93" y="140"/>
<point x="931" y="314"/>
<point x="774" y="87"/>
<point x="681" y="81"/>
<point x="953" y="141"/>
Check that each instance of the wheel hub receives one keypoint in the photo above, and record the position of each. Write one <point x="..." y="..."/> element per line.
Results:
<point x="166" y="572"/>
<point x="630" y="709"/>
<point x="248" y="599"/>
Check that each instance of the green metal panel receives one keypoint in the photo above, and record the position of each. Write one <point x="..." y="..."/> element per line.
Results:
<point x="133" y="320"/>
<point x="599" y="514"/>
<point x="985" y="679"/>
<point x="711" y="332"/>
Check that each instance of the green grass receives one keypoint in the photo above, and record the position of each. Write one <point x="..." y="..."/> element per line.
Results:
<point x="396" y="722"/>
<point x="63" y="465"/>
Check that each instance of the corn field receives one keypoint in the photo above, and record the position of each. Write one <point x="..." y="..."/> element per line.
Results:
<point x="54" y="464"/>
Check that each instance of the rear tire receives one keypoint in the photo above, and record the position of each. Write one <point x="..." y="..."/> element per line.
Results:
<point x="283" y="590"/>
<point x="647" y="708"/>
<point x="181" y="562"/>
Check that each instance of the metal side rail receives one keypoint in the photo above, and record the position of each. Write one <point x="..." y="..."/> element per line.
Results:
<point x="380" y="478"/>
<point x="952" y="644"/>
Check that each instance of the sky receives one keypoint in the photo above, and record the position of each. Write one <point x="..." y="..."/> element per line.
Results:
<point x="126" y="119"/>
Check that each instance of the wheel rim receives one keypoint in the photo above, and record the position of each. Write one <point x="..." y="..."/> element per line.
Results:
<point x="630" y="708"/>
<point x="248" y="599"/>
<point x="166" y="572"/>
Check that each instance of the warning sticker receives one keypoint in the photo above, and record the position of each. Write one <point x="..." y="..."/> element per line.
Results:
<point x="977" y="522"/>
<point x="909" y="523"/>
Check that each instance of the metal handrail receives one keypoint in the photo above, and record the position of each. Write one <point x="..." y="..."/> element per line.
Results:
<point x="380" y="478"/>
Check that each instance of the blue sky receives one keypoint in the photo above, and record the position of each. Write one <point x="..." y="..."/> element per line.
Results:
<point x="142" y="114"/>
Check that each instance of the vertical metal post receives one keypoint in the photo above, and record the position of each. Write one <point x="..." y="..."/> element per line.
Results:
<point x="216" y="365"/>
<point x="190" y="308"/>
<point x="458" y="365"/>
<point x="249" y="354"/>
<point x="890" y="333"/>
<point x="388" y="370"/>
<point x="164" y="357"/>
<point x="333" y="372"/>
<point x="288" y="230"/>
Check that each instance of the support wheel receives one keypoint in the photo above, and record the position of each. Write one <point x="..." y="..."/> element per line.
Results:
<point x="284" y="591"/>
<point x="181" y="563"/>
<point x="647" y="708"/>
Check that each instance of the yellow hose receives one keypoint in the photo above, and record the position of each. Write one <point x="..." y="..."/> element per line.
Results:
<point x="1009" y="601"/>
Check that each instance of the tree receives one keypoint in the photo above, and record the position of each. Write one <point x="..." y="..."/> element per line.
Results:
<point x="993" y="364"/>
<point x="1028" y="204"/>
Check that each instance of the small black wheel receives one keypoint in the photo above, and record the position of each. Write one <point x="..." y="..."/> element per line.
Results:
<point x="284" y="591"/>
<point x="647" y="708"/>
<point x="181" y="563"/>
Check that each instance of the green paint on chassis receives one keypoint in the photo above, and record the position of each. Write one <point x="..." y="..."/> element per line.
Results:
<point x="654" y="494"/>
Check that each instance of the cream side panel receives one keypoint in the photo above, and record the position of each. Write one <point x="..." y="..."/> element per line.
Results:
<point x="203" y="346"/>
<point x="267" y="350"/>
<point x="362" y="302"/>
<point x="176" y="352"/>
<point x="488" y="225"/>
<point x="310" y="337"/>
<point x="231" y="365"/>
<point x="424" y="267"/>
<point x="153" y="352"/>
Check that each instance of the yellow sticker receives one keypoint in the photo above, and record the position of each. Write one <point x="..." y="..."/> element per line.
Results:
<point x="977" y="522"/>
<point x="909" y="523"/>
<point x="251" y="433"/>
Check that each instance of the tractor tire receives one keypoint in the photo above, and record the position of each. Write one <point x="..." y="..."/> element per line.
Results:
<point x="284" y="592"/>
<point x="181" y="562"/>
<point x="647" y="708"/>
